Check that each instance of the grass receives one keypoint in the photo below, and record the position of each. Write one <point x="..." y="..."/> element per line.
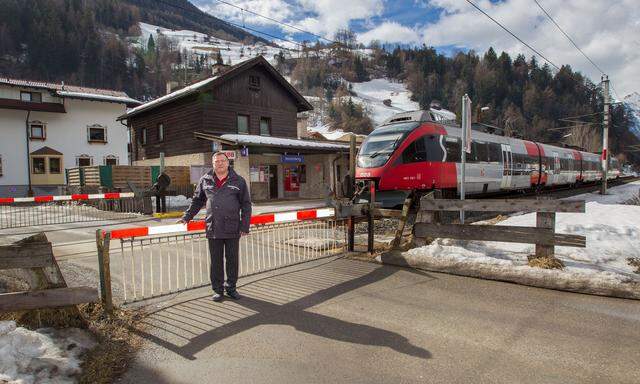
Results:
<point x="546" y="263"/>
<point x="634" y="262"/>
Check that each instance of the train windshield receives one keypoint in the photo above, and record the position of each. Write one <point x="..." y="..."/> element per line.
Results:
<point x="381" y="143"/>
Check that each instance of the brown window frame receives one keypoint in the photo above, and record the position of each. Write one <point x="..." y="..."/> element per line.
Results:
<point x="96" y="126"/>
<point x="111" y="157"/>
<point x="254" y="82"/>
<point x="59" y="165"/>
<point x="143" y="136"/>
<point x="248" y="124"/>
<point x="44" y="165"/>
<point x="160" y="132"/>
<point x="84" y="157"/>
<point x="37" y="124"/>
<point x="31" y="97"/>
<point x="0" y="165"/>
<point x="268" y="120"/>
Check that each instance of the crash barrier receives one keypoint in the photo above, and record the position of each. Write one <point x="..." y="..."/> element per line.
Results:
<point x="31" y="261"/>
<point x="147" y="262"/>
<point x="43" y="210"/>
<point x="428" y="224"/>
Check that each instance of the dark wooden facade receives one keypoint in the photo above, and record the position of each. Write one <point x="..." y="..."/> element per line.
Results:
<point x="214" y="109"/>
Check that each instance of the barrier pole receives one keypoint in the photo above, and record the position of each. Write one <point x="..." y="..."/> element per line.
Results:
<point x="102" y="243"/>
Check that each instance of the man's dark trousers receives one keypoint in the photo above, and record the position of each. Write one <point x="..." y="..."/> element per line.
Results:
<point x="224" y="252"/>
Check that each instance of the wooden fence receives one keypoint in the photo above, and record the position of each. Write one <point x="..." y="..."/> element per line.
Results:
<point x="117" y="177"/>
<point x="543" y="235"/>
<point x="31" y="260"/>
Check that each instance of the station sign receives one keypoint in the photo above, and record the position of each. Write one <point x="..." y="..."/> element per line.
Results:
<point x="292" y="158"/>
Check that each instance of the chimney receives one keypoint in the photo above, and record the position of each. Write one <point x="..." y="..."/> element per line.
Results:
<point x="171" y="85"/>
<point x="219" y="69"/>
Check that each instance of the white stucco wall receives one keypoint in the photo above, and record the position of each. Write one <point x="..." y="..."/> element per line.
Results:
<point x="65" y="132"/>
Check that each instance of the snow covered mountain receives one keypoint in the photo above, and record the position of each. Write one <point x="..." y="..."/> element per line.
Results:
<point x="632" y="102"/>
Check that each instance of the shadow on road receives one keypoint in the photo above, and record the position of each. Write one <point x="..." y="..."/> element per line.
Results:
<point x="192" y="325"/>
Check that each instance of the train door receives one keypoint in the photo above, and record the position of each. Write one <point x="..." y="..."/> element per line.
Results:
<point x="507" y="166"/>
<point x="556" y="169"/>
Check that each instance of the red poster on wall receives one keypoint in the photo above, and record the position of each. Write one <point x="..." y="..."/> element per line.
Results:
<point x="291" y="183"/>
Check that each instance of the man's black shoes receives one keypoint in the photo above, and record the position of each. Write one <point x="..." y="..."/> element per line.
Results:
<point x="234" y="295"/>
<point x="217" y="297"/>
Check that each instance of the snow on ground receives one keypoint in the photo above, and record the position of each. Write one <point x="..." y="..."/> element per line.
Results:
<point x="373" y="93"/>
<point x="612" y="230"/>
<point x="42" y="356"/>
<point x="203" y="44"/>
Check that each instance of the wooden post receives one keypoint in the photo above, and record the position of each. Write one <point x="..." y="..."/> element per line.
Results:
<point x="102" y="243"/>
<point x="403" y="221"/>
<point x="545" y="220"/>
<point x="351" y="231"/>
<point x="372" y="204"/>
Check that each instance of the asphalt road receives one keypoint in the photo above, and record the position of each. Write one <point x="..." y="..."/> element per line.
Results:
<point x="345" y="321"/>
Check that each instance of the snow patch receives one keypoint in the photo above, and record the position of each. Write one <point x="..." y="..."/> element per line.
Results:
<point x="43" y="356"/>
<point x="612" y="230"/>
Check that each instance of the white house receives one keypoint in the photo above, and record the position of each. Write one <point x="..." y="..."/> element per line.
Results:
<point x="46" y="128"/>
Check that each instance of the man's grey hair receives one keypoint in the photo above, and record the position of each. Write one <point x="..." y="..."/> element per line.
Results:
<point x="220" y="153"/>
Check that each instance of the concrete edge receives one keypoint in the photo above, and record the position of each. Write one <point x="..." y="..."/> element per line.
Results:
<point x="629" y="290"/>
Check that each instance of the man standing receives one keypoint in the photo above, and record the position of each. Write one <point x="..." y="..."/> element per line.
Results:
<point x="228" y="217"/>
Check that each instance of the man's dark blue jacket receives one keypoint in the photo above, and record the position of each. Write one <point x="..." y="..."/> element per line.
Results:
<point x="228" y="207"/>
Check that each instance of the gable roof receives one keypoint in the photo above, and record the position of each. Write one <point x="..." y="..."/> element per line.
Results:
<point x="302" y="103"/>
<point x="74" y="92"/>
<point x="46" y="151"/>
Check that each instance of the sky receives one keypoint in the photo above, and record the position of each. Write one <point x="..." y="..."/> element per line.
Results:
<point x="607" y="31"/>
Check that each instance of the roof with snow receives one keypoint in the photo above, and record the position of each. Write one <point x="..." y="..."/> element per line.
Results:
<point x="74" y="92"/>
<point x="270" y="141"/>
<point x="303" y="104"/>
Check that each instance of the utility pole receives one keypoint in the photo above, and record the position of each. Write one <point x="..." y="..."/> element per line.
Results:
<point x="465" y="146"/>
<point x="605" y="135"/>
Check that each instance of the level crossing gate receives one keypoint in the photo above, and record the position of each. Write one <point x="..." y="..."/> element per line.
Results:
<point x="147" y="262"/>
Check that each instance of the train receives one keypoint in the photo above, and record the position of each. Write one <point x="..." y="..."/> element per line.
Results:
<point x="419" y="151"/>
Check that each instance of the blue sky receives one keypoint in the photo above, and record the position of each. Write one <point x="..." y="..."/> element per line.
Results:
<point x="608" y="31"/>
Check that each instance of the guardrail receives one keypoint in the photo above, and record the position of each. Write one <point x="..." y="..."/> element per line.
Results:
<point x="543" y="235"/>
<point x="44" y="210"/>
<point x="148" y="262"/>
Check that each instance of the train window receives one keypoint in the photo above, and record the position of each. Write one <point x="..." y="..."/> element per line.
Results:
<point x="415" y="152"/>
<point x="479" y="151"/>
<point x="452" y="145"/>
<point x="434" y="149"/>
<point x="495" y="153"/>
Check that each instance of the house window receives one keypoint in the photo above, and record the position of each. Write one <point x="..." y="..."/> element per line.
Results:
<point x="144" y="136"/>
<point x="37" y="130"/>
<point x="31" y="97"/>
<point x="97" y="134"/>
<point x="110" y="160"/>
<point x="0" y="165"/>
<point x="243" y="124"/>
<point x="265" y="126"/>
<point x="84" y="161"/>
<point x="37" y="164"/>
<point x="54" y="165"/>
<point x="160" y="132"/>
<point x="254" y="83"/>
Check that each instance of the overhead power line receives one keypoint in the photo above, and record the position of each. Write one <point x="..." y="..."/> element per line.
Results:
<point x="277" y="21"/>
<point x="568" y="37"/>
<point x="574" y="43"/>
<point x="200" y="13"/>
<point x="513" y="34"/>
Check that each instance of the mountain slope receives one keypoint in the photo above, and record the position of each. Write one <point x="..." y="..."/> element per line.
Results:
<point x="632" y="102"/>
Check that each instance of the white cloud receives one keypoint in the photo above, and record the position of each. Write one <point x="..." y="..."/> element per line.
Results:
<point x="276" y="9"/>
<point x="330" y="15"/>
<point x="390" y="32"/>
<point x="606" y="31"/>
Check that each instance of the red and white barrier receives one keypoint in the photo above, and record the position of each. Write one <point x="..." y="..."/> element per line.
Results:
<point x="199" y="225"/>
<point x="77" y="197"/>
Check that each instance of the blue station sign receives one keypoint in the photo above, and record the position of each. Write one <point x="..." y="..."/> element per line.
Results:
<point x="292" y="158"/>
